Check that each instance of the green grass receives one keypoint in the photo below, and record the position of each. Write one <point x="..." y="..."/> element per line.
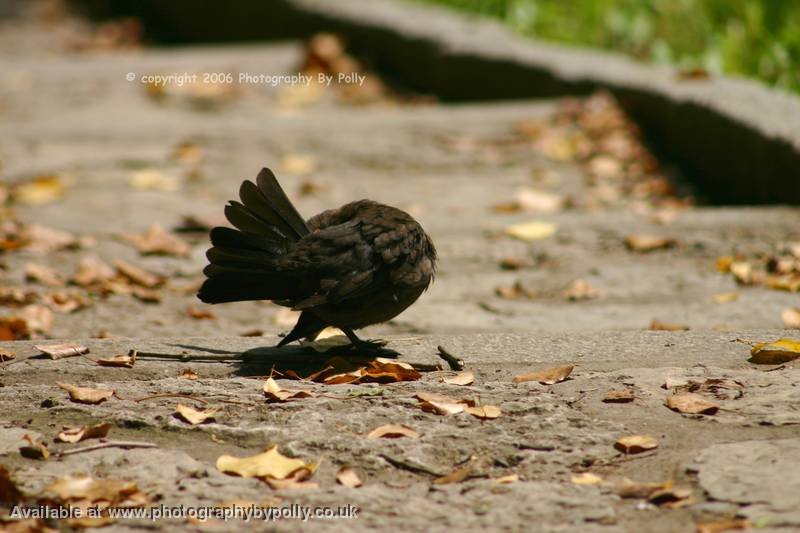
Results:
<point x="754" y="38"/>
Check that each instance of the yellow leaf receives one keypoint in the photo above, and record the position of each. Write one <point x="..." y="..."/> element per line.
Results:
<point x="531" y="231"/>
<point x="586" y="478"/>
<point x="775" y="353"/>
<point x="269" y="464"/>
<point x="40" y="190"/>
<point x="84" y="432"/>
<point x="550" y="376"/>
<point x="194" y="416"/>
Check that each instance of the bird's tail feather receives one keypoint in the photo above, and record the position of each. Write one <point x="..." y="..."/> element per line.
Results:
<point x="241" y="259"/>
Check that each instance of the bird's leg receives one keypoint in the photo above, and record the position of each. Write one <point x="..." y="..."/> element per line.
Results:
<point x="370" y="346"/>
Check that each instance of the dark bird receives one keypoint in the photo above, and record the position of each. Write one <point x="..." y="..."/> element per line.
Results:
<point x="361" y="264"/>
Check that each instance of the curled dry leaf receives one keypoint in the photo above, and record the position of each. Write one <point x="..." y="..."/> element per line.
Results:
<point x="297" y="480"/>
<point x="791" y="317"/>
<point x="348" y="477"/>
<point x="658" y="325"/>
<point x="440" y="404"/>
<point x="531" y="231"/>
<point x="586" y="478"/>
<point x="776" y="352"/>
<point x="636" y="443"/>
<point x="14" y="329"/>
<point x="580" y="289"/>
<point x="38" y="318"/>
<point x="627" y="488"/>
<point x="550" y="376"/>
<point x="462" y="378"/>
<point x="269" y="464"/>
<point x="137" y="276"/>
<point x="512" y="263"/>
<point x="691" y="403"/>
<point x="42" y="274"/>
<point x="67" y="301"/>
<point x="158" y="241"/>
<point x="671" y="498"/>
<point x="194" y="416"/>
<point x="275" y="393"/>
<point x="42" y="240"/>
<point x="148" y="296"/>
<point x="34" y="449"/>
<point x="456" y="476"/>
<point x="188" y="373"/>
<point x="484" y="412"/>
<point x="92" y="271"/>
<point x="199" y="313"/>
<point x="648" y="243"/>
<point x="515" y="291"/>
<point x="78" y="434"/>
<point x="60" y="351"/>
<point x="383" y="370"/>
<point x="392" y="431"/>
<point x="124" y="361"/>
<point x="101" y="492"/>
<point x="619" y="396"/>
<point x="6" y="355"/>
<point x="86" y="394"/>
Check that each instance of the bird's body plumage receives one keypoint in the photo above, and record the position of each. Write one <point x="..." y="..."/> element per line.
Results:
<point x="361" y="264"/>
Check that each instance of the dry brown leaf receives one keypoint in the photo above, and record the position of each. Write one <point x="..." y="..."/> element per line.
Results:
<point x="34" y="449"/>
<point x="723" y="263"/>
<point x="619" y="396"/>
<point x="137" y="276"/>
<point x="14" y="297"/>
<point x="194" y="416"/>
<point x="297" y="480"/>
<point x="158" y="241"/>
<point x="92" y="271"/>
<point x="586" y="478"/>
<point x="13" y="329"/>
<point x="269" y="464"/>
<point x="348" y="477"/>
<point x="383" y="370"/>
<point x="41" y="190"/>
<point x="188" y="373"/>
<point x="648" y="243"/>
<point x="148" y="296"/>
<point x="742" y="272"/>
<point x="59" y="351"/>
<point x="531" y="231"/>
<point x="86" y="394"/>
<point x="515" y="291"/>
<point x="392" y="431"/>
<point x="636" y="443"/>
<point x="124" y="361"/>
<point x="67" y="301"/>
<point x="691" y="403"/>
<point x="42" y="274"/>
<point x="77" y="434"/>
<point x="456" y="476"/>
<point x="188" y="153"/>
<point x="776" y="352"/>
<point x="484" y="412"/>
<point x="626" y="488"/>
<point x="275" y="393"/>
<point x="462" y="378"/>
<point x="550" y="376"/>
<point x="791" y="317"/>
<point x="440" y="404"/>
<point x="671" y="498"/>
<point x="511" y="478"/>
<point x="199" y="313"/>
<point x="726" y="297"/>
<point x="720" y="526"/>
<point x="580" y="289"/>
<point x="658" y="325"/>
<point x="101" y="492"/>
<point x="43" y="240"/>
<point x="38" y="318"/>
<point x="9" y="492"/>
<point x="6" y="355"/>
<point x="512" y="263"/>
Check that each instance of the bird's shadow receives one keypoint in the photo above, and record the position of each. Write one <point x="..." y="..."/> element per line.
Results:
<point x="301" y="360"/>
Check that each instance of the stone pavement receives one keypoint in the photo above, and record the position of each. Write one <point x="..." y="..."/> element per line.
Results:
<point x="111" y="143"/>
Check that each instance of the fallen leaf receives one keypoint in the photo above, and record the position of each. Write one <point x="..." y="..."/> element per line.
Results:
<point x="43" y="240"/>
<point x="776" y="352"/>
<point x="671" y="498"/>
<point x="383" y="370"/>
<point x="723" y="264"/>
<point x="619" y="396"/>
<point x="691" y="403"/>
<point x="6" y="355"/>
<point x="392" y="431"/>
<point x="580" y="289"/>
<point x="200" y="314"/>
<point x="124" y="361"/>
<point x="648" y="243"/>
<point x="462" y="378"/>
<point x="791" y="317"/>
<point x="726" y="297"/>
<point x="626" y="488"/>
<point x="13" y="329"/>
<point x="531" y="231"/>
<point x="551" y="376"/>
<point x="188" y="373"/>
<point x="658" y="325"/>
<point x="586" y="478"/>
<point x="720" y="526"/>
<point x="511" y="478"/>
<point x="298" y="164"/>
<point x="635" y="444"/>
<point x="268" y="464"/>
<point x="484" y="412"/>
<point x="92" y="271"/>
<point x="152" y="179"/>
<point x="297" y="480"/>
<point x="38" y="318"/>
<point x="105" y="492"/>
<point x="148" y="296"/>
<point x="41" y="190"/>
<point x="158" y="241"/>
<point x="326" y="343"/>
<point x="59" y="351"/>
<point x="34" y="449"/>
<point x="275" y="393"/>
<point x="456" y="476"/>
<point x="440" y="404"/>
<point x="742" y="272"/>
<point x="188" y="153"/>
<point x="347" y="476"/>
<point x="42" y="274"/>
<point x="515" y="291"/>
<point x="14" y="297"/>
<point x="194" y="416"/>
<point x="67" y="301"/>
<point x="85" y="394"/>
<point x="9" y="492"/>
<point x="77" y="434"/>
<point x="512" y="263"/>
<point x="137" y="276"/>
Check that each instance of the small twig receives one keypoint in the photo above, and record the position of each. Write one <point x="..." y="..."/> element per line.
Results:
<point x="108" y="444"/>
<point x="454" y="362"/>
<point x="410" y="466"/>
<point x="185" y="357"/>
<point x="171" y="395"/>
